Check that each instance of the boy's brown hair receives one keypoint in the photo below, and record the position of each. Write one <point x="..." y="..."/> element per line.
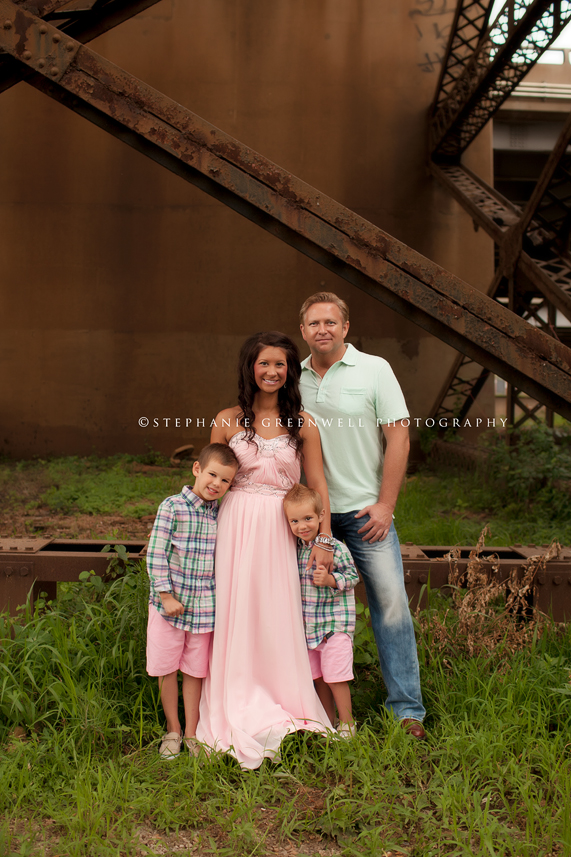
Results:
<point x="299" y="493"/>
<point x="221" y="452"/>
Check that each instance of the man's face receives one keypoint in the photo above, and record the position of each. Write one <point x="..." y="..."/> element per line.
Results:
<point x="324" y="330"/>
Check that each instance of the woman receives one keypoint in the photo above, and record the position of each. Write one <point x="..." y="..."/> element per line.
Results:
<point x="259" y="687"/>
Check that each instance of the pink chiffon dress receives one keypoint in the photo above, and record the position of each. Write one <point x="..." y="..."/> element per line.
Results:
<point x="259" y="687"/>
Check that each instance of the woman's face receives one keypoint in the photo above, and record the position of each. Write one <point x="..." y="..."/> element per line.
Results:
<point x="270" y="369"/>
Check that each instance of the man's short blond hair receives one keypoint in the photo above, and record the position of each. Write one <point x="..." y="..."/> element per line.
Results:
<point x="324" y="298"/>
<point x="299" y="493"/>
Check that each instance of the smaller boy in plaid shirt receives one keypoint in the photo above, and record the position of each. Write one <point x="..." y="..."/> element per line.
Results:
<point x="328" y="603"/>
<point x="180" y="562"/>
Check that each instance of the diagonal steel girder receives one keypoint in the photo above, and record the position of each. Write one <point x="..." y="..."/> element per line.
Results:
<point x="546" y="221"/>
<point x="505" y="223"/>
<point x="523" y="30"/>
<point x="298" y="214"/>
<point x="470" y="23"/>
<point x="82" y="24"/>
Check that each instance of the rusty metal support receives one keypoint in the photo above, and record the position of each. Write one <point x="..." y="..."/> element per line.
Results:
<point x="470" y="22"/>
<point x="512" y="45"/>
<point x="83" y="25"/>
<point x="29" y="567"/>
<point x="550" y="276"/>
<point x="458" y="393"/>
<point x="298" y="214"/>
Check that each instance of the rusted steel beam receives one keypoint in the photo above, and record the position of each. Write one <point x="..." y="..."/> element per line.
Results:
<point x="463" y="384"/>
<point x="547" y="191"/>
<point x="285" y="206"/>
<point x="31" y="566"/>
<point x="501" y="220"/>
<point x="470" y="22"/>
<point x="81" y="25"/>
<point x="512" y="45"/>
<point x="485" y="205"/>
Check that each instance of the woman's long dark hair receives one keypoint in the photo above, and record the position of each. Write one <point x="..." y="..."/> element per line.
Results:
<point x="289" y="398"/>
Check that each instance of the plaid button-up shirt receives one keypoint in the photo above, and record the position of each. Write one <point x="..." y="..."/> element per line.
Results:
<point x="325" y="609"/>
<point x="180" y="559"/>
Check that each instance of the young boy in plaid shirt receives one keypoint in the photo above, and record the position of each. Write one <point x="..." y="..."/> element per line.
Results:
<point x="180" y="562"/>
<point x="328" y="603"/>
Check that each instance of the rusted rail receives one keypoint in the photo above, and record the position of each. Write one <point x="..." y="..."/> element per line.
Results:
<point x="31" y="566"/>
<point x="288" y="208"/>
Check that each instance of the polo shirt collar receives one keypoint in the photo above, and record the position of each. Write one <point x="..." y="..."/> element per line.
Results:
<point x="350" y="358"/>
<point x="194" y="500"/>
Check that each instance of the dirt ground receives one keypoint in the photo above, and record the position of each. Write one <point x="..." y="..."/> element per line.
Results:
<point x="46" y="524"/>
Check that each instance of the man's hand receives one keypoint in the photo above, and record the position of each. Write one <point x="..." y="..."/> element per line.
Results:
<point x="320" y="557"/>
<point x="171" y="606"/>
<point x="379" y="523"/>
<point x="321" y="577"/>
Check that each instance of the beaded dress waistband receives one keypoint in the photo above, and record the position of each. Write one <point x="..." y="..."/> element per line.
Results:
<point x="260" y="488"/>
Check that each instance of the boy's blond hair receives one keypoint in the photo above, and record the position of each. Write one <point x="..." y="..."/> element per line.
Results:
<point x="299" y="493"/>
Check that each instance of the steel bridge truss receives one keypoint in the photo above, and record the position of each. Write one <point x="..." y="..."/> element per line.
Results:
<point x="475" y="83"/>
<point x="533" y="276"/>
<point x="43" y="43"/>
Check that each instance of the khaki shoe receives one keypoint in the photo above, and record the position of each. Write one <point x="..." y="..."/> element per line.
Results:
<point x="347" y="730"/>
<point x="170" y="745"/>
<point x="193" y="746"/>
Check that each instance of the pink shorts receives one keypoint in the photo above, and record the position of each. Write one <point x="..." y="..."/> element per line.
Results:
<point x="170" y="649"/>
<point x="332" y="660"/>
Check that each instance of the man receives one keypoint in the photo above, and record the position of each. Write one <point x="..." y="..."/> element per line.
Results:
<point x="351" y="394"/>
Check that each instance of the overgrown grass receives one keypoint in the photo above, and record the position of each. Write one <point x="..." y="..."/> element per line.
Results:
<point x="90" y="486"/>
<point x="522" y="491"/>
<point x="79" y="717"/>
<point x="525" y="503"/>
<point x="451" y="509"/>
<point x="84" y="780"/>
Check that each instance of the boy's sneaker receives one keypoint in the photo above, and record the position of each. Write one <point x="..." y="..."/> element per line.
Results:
<point x="347" y="730"/>
<point x="170" y="745"/>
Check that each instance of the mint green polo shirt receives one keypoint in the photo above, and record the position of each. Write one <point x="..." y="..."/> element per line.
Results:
<point x="357" y="395"/>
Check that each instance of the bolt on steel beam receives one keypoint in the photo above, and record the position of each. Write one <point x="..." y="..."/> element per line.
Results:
<point x="296" y="213"/>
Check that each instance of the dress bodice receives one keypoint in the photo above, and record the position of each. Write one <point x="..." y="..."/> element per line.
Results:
<point x="266" y="466"/>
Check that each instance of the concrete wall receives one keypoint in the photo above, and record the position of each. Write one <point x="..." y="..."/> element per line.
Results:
<point x="126" y="292"/>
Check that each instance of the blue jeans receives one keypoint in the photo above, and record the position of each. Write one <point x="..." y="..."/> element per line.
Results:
<point x="381" y="568"/>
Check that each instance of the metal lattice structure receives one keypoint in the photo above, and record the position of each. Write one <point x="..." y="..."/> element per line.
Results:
<point x="42" y="42"/>
<point x="534" y="263"/>
<point x="476" y="84"/>
<point x="470" y="23"/>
